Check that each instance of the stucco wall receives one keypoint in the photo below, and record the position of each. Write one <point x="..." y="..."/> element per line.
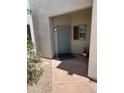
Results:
<point x="28" y="5"/>
<point x="62" y="20"/>
<point x="92" y="73"/>
<point x="74" y="19"/>
<point x="77" y="18"/>
<point x="41" y="11"/>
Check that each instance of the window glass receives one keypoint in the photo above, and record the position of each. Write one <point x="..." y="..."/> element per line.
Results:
<point x="28" y="32"/>
<point x="76" y="33"/>
<point x="80" y="32"/>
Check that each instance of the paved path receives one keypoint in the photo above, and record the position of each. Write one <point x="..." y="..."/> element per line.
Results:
<point x="64" y="82"/>
<point x="63" y="77"/>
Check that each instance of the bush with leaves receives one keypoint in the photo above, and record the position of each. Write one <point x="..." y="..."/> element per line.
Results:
<point x="33" y="72"/>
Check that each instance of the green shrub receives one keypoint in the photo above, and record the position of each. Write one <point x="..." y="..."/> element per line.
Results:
<point x="33" y="72"/>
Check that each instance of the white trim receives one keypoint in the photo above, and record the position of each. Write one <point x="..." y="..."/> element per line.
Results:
<point x="56" y="41"/>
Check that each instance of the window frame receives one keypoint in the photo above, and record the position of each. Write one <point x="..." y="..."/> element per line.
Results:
<point x="81" y="32"/>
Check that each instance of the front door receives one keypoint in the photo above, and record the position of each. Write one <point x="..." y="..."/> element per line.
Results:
<point x="64" y="37"/>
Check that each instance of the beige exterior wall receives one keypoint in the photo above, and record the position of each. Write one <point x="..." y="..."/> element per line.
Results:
<point x="73" y="19"/>
<point x="41" y="11"/>
<point x="81" y="17"/>
<point x="62" y="20"/>
<point x="28" y="5"/>
<point x="93" y="45"/>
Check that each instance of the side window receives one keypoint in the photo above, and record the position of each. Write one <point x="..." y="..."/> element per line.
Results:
<point x="82" y="30"/>
<point x="79" y="32"/>
<point x="28" y="32"/>
<point x="76" y="33"/>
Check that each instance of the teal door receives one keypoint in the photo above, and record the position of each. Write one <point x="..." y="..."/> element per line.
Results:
<point x="64" y="33"/>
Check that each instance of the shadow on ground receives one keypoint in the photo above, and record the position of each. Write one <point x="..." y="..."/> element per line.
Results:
<point x="74" y="64"/>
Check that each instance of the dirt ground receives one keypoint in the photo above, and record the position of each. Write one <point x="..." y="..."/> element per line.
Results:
<point x="44" y="84"/>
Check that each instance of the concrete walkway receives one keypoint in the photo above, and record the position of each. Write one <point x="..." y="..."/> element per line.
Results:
<point x="67" y="77"/>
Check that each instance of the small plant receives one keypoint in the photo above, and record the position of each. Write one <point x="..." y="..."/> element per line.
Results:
<point x="33" y="72"/>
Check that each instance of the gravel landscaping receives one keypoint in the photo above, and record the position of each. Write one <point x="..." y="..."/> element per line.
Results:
<point x="44" y="84"/>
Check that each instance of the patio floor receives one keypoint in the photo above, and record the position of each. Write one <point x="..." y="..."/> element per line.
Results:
<point x="69" y="75"/>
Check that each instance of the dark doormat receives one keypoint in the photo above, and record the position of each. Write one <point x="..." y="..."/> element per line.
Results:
<point x="66" y="56"/>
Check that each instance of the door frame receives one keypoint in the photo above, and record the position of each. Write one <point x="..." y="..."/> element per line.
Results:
<point x="56" y="38"/>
